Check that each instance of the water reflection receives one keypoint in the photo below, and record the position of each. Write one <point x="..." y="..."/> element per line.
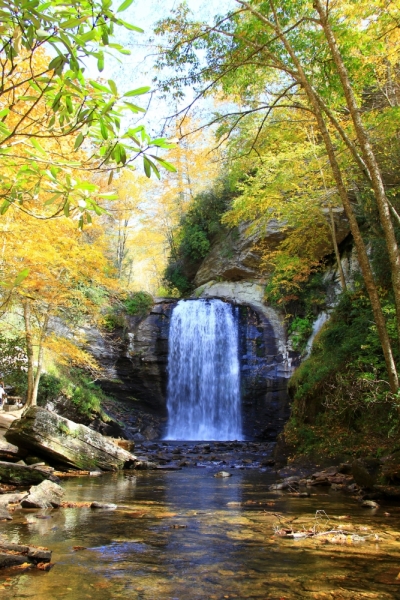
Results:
<point x="189" y="536"/>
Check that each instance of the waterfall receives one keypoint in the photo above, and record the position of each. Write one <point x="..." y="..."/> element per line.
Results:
<point x="203" y="372"/>
<point x="316" y="328"/>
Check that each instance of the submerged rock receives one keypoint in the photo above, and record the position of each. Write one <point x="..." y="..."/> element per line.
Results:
<point x="103" y="505"/>
<point x="47" y="494"/>
<point x="65" y="442"/>
<point x="16" y="554"/>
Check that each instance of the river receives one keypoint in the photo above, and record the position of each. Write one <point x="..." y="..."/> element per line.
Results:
<point x="186" y="535"/>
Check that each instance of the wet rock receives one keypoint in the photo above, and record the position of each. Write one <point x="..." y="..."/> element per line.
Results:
<point x="353" y="487"/>
<point x="150" y="433"/>
<point x="66" y="442"/>
<point x="268" y="462"/>
<point x="223" y="474"/>
<point x="388" y="491"/>
<point x="111" y="429"/>
<point x="9" y="452"/>
<point x="11" y="560"/>
<point x="23" y="475"/>
<point x="144" y="465"/>
<point x="47" y="494"/>
<point x="33" y="460"/>
<point x="294" y="480"/>
<point x="16" y="554"/>
<point x="361" y="475"/>
<point x="369" y="504"/>
<point x="103" y="505"/>
<point x="4" y="514"/>
<point x="6" y="499"/>
<point x="345" y="468"/>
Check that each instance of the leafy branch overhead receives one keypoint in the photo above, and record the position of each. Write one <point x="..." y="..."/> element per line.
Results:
<point x="57" y="126"/>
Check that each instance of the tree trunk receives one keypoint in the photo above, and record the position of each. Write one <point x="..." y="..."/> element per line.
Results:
<point x="358" y="241"/>
<point x="40" y="359"/>
<point x="369" y="158"/>
<point x="336" y="248"/>
<point x="33" y="377"/>
<point x="29" y="352"/>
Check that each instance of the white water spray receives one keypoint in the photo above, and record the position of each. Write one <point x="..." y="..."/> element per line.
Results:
<point x="203" y="372"/>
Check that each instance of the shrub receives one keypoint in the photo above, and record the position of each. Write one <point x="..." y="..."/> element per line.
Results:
<point x="138" y="303"/>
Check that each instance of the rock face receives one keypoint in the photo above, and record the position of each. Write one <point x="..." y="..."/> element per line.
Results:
<point x="137" y="359"/>
<point x="234" y="257"/>
<point x="65" y="442"/>
<point x="237" y="255"/>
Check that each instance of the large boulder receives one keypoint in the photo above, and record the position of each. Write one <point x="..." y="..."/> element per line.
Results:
<point x="65" y="442"/>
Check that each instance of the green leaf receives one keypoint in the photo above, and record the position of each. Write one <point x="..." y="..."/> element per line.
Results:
<point x="134" y="108"/>
<point x="164" y="163"/>
<point x="147" y="167"/>
<point x="100" y="87"/>
<point x="78" y="141"/>
<point x="4" y="112"/>
<point x="137" y="92"/>
<point x="103" y="130"/>
<point x="53" y="198"/>
<point x="129" y="26"/>
<point x="4" y="207"/>
<point x="124" y="5"/>
<point x="113" y="87"/>
<point x="73" y="22"/>
<point x="68" y="103"/>
<point x="20" y="277"/>
<point x="100" y="62"/>
<point x="56" y="62"/>
<point x="38" y="147"/>
<point x="66" y="209"/>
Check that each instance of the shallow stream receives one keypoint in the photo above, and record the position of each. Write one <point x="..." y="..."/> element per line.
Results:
<point x="186" y="535"/>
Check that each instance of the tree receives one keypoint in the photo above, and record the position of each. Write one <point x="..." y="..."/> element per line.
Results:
<point x="61" y="266"/>
<point x="46" y="95"/>
<point x="285" y="46"/>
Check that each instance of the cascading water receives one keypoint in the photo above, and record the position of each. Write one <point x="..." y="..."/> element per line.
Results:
<point x="203" y="372"/>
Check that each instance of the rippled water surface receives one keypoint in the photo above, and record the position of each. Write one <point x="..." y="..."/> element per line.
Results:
<point x="189" y="536"/>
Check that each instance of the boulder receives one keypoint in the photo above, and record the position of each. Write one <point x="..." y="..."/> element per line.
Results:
<point x="45" y="495"/>
<point x="64" y="442"/>
<point x="23" y="475"/>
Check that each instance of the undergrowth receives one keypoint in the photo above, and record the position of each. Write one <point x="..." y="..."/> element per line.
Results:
<point x="342" y="399"/>
<point x="75" y="386"/>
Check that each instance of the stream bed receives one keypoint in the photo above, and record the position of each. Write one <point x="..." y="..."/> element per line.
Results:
<point x="186" y="535"/>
